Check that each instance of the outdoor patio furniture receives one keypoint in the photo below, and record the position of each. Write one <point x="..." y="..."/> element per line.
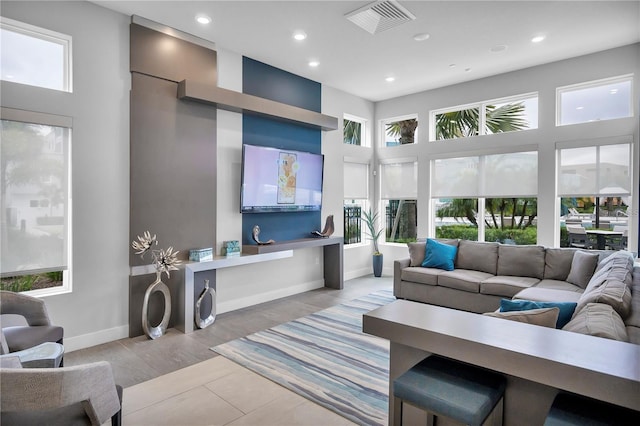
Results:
<point x="578" y="237"/>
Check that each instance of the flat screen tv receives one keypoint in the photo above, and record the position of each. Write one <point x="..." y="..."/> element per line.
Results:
<point x="280" y="180"/>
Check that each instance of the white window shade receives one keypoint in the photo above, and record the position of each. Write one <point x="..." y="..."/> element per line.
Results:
<point x="35" y="195"/>
<point x="510" y="175"/>
<point x="603" y="170"/>
<point x="399" y="181"/>
<point x="499" y="175"/>
<point x="356" y="181"/>
<point x="455" y="178"/>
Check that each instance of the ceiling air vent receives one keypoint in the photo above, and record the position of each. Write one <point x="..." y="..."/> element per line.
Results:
<point x="380" y="16"/>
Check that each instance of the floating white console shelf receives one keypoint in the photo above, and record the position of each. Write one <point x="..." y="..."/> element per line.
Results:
<point x="243" y="103"/>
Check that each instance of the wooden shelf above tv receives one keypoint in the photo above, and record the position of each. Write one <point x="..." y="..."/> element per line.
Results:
<point x="248" y="104"/>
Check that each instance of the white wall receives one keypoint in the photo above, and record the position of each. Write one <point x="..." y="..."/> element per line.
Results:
<point x="357" y="257"/>
<point x="97" y="309"/>
<point x="542" y="79"/>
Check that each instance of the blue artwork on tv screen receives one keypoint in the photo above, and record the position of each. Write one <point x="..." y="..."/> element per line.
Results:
<point x="280" y="180"/>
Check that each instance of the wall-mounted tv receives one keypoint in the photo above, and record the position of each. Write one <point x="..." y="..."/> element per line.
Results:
<point x="280" y="180"/>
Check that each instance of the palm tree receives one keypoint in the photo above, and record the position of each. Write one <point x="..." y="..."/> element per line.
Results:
<point x="352" y="132"/>
<point x="405" y="129"/>
<point x="466" y="123"/>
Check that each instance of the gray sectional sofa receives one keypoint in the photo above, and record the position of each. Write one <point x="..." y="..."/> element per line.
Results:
<point x="604" y="284"/>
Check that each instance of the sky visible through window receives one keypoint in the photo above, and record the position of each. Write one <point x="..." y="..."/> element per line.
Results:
<point x="30" y="60"/>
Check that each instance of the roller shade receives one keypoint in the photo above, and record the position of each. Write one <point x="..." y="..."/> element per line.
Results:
<point x="356" y="181"/>
<point x="496" y="175"/>
<point x="603" y="170"/>
<point x="399" y="181"/>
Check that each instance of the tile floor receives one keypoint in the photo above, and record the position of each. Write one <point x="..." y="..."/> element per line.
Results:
<point x="177" y="380"/>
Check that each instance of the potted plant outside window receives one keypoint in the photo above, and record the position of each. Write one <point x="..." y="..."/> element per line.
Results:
<point x="370" y="219"/>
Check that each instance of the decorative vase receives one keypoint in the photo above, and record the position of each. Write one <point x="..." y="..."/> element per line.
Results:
<point x="377" y="265"/>
<point x="157" y="286"/>
<point x="206" y="322"/>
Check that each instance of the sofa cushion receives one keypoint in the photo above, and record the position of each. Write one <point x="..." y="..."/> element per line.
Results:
<point x="477" y="256"/>
<point x="633" y="319"/>
<point x="418" y="274"/>
<point x="583" y="266"/>
<point x="506" y="286"/>
<point x="598" y="319"/>
<point x="546" y="317"/>
<point x="463" y="279"/>
<point x="564" y="316"/>
<point x="611" y="284"/>
<point x="417" y="252"/>
<point x="439" y="255"/>
<point x="521" y="261"/>
<point x="557" y="263"/>
<point x="539" y="294"/>
<point x="559" y="285"/>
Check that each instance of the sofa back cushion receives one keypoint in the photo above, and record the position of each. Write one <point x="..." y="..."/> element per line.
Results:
<point x="557" y="263"/>
<point x="583" y="266"/>
<point x="521" y="261"/>
<point x="600" y="320"/>
<point x="611" y="284"/>
<point x="477" y="256"/>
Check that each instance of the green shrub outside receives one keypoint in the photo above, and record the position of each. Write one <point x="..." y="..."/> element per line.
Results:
<point x="525" y="236"/>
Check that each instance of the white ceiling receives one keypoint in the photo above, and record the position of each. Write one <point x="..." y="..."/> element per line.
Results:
<point x="351" y="59"/>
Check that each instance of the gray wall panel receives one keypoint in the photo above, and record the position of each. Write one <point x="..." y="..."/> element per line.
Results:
<point x="171" y="58"/>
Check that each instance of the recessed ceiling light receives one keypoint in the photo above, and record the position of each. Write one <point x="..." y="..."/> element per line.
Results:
<point x="452" y="66"/>
<point x="203" y="19"/>
<point x="299" y="35"/>
<point x="421" y="36"/>
<point x="467" y="69"/>
<point x="537" y="39"/>
<point x="314" y="63"/>
<point x="499" y="48"/>
<point x="390" y="79"/>
<point x="580" y="107"/>
<point x="613" y="91"/>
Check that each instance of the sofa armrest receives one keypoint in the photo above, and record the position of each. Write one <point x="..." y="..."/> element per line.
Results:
<point x="398" y="266"/>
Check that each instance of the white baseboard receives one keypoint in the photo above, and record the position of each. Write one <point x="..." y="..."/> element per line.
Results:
<point x="97" y="338"/>
<point x="357" y="273"/>
<point x="244" y="302"/>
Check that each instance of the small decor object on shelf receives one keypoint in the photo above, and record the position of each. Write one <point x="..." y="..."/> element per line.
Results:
<point x="231" y="248"/>
<point x="206" y="322"/>
<point x="256" y="234"/>
<point x="163" y="261"/>
<point x="328" y="228"/>
<point x="201" y="255"/>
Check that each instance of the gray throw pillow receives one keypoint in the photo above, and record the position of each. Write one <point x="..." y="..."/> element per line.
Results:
<point x="600" y="320"/>
<point x="546" y="317"/>
<point x="583" y="266"/>
<point x="417" y="252"/>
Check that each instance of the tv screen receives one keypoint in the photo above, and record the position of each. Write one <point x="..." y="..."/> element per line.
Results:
<point x="280" y="180"/>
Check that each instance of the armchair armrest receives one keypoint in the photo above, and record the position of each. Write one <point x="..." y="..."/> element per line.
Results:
<point x="32" y="309"/>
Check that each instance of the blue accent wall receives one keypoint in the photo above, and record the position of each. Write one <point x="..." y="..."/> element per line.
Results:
<point x="263" y="80"/>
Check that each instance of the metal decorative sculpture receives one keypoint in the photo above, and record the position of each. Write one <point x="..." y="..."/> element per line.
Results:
<point x="206" y="322"/>
<point x="163" y="261"/>
<point x="255" y="233"/>
<point x="328" y="228"/>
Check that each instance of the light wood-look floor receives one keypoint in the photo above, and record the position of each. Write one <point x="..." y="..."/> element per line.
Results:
<point x="178" y="380"/>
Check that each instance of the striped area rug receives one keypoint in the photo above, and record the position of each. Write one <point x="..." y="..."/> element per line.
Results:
<point x="325" y="358"/>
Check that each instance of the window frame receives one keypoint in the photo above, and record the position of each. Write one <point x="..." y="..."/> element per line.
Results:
<point x="593" y="84"/>
<point x="383" y="131"/>
<point x="365" y="141"/>
<point x="31" y="117"/>
<point x="482" y="113"/>
<point x="49" y="36"/>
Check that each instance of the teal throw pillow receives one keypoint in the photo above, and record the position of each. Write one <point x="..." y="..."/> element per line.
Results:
<point x="566" y="308"/>
<point x="439" y="255"/>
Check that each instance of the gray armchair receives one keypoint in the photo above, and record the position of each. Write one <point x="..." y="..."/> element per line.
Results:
<point x="38" y="328"/>
<point x="79" y="395"/>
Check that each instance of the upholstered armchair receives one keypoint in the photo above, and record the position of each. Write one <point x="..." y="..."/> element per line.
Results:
<point x="79" y="395"/>
<point x="37" y="329"/>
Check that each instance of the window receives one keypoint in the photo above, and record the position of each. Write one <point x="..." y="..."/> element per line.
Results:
<point x="400" y="131"/>
<point x="35" y="56"/>
<point x="489" y="117"/>
<point x="399" y="192"/>
<point x="487" y="198"/>
<point x="593" y="101"/>
<point x="594" y="187"/>
<point x="35" y="202"/>
<point x="356" y="194"/>
<point x="354" y="131"/>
